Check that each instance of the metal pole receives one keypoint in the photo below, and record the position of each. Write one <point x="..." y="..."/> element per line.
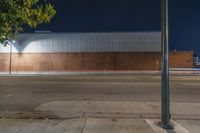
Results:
<point x="10" y="66"/>
<point x="165" y="107"/>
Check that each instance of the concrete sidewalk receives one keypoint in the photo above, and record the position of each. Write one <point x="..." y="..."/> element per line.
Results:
<point x="81" y="125"/>
<point x="104" y="109"/>
<point x="102" y="117"/>
<point x="125" y="109"/>
<point x="95" y="125"/>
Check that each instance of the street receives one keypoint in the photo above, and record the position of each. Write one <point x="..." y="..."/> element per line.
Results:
<point x="69" y="97"/>
<point x="20" y="93"/>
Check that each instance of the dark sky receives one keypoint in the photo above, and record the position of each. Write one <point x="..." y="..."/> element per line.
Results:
<point x="129" y="15"/>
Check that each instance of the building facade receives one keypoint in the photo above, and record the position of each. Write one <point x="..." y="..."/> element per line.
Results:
<point x="60" y="52"/>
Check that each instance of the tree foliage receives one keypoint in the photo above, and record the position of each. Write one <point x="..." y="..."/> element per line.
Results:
<point x="16" y="13"/>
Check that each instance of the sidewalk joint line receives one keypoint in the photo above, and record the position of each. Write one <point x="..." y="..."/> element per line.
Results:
<point x="84" y="124"/>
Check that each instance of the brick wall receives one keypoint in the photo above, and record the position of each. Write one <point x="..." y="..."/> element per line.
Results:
<point x="181" y="59"/>
<point x="92" y="61"/>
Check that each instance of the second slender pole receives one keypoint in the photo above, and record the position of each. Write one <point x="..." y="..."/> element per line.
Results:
<point x="10" y="66"/>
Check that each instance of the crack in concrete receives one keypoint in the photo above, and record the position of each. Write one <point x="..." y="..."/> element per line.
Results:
<point x="84" y="124"/>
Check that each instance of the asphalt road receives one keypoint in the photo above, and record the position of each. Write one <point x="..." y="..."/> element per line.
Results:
<point x="24" y="93"/>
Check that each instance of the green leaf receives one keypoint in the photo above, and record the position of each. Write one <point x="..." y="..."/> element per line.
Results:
<point x="16" y="13"/>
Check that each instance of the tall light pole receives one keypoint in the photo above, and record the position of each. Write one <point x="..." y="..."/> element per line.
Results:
<point x="165" y="106"/>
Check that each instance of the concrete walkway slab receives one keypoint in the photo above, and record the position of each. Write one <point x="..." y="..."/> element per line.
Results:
<point x="41" y="126"/>
<point x="177" y="128"/>
<point x="192" y="125"/>
<point x="114" y="108"/>
<point x="94" y="125"/>
<point x="100" y="108"/>
<point x="84" y="125"/>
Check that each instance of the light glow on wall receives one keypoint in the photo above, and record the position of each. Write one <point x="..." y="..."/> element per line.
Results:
<point x="87" y="42"/>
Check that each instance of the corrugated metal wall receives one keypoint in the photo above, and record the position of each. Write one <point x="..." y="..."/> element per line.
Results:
<point x="86" y="42"/>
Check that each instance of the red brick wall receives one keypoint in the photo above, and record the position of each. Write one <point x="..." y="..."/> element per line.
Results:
<point x="4" y="62"/>
<point x="92" y="61"/>
<point x="181" y="59"/>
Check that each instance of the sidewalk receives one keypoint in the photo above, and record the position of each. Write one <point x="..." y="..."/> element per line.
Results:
<point x="102" y="117"/>
<point x="95" y="125"/>
<point x="80" y="125"/>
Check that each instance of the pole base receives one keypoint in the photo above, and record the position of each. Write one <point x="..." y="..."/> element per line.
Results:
<point x="170" y="127"/>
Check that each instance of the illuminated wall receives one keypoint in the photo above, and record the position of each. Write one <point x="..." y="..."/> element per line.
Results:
<point x="87" y="52"/>
<point x="86" y="42"/>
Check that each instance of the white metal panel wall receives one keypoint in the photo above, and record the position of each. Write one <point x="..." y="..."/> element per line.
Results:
<point x="86" y="42"/>
<point x="4" y="49"/>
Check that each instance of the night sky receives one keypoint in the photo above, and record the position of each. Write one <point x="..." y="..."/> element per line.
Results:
<point x="129" y="15"/>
